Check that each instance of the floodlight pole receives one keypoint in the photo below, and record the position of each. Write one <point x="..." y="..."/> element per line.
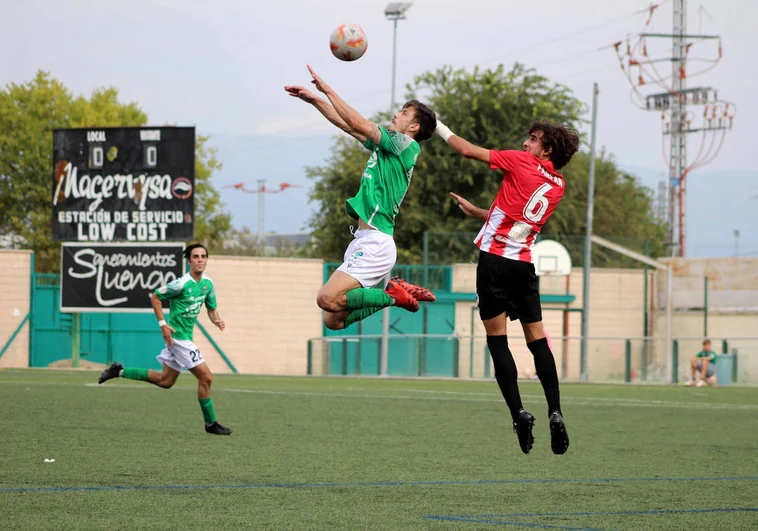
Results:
<point x="261" y="214"/>
<point x="398" y="13"/>
<point x="395" y="11"/>
<point x="587" y="267"/>
<point x="394" y="62"/>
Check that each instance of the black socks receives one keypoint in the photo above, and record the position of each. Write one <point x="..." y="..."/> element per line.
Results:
<point x="506" y="373"/>
<point x="547" y="373"/>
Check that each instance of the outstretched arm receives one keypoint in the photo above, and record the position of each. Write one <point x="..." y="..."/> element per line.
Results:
<point x="469" y="209"/>
<point x="324" y="107"/>
<point x="461" y="145"/>
<point x="352" y="118"/>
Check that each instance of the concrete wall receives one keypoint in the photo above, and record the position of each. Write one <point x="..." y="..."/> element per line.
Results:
<point x="616" y="311"/>
<point x="269" y="307"/>
<point x="15" y="287"/>
<point x="270" y="312"/>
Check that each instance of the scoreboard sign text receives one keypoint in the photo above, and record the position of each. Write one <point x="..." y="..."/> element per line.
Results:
<point x="114" y="277"/>
<point x="124" y="184"/>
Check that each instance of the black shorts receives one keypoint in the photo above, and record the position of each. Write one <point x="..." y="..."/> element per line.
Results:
<point x="507" y="286"/>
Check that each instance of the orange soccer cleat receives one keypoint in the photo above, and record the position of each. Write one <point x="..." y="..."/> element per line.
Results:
<point x="403" y="299"/>
<point x="419" y="293"/>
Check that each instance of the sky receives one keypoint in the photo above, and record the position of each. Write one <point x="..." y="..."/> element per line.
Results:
<point x="221" y="66"/>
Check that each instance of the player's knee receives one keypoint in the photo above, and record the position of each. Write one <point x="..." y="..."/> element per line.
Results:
<point x="332" y="323"/>
<point x="328" y="302"/>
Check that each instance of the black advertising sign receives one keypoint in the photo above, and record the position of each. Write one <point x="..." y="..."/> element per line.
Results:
<point x="116" y="277"/>
<point x="124" y="184"/>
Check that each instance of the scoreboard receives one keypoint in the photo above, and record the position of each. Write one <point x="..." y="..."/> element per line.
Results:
<point x="131" y="184"/>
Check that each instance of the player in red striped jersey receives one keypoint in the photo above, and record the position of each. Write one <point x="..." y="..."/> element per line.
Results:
<point x="506" y="283"/>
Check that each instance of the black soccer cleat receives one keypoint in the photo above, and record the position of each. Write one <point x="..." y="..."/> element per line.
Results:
<point x="217" y="429"/>
<point x="559" y="438"/>
<point x="523" y="429"/>
<point x="111" y="372"/>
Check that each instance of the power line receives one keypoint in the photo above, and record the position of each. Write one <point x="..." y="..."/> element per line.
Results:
<point x="677" y="122"/>
<point x="575" y="33"/>
<point x="559" y="38"/>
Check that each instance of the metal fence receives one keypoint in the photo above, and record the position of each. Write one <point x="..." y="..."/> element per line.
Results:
<point x="609" y="359"/>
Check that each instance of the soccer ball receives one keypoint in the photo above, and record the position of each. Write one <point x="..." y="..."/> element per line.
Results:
<point x="348" y="42"/>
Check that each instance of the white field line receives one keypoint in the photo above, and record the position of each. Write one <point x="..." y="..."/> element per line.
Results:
<point x="470" y="397"/>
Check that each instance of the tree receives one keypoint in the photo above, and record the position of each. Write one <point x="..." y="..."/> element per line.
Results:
<point x="491" y="108"/>
<point x="28" y="115"/>
<point x="623" y="212"/>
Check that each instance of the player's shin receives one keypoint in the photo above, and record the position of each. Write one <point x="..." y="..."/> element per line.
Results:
<point x="506" y="373"/>
<point x="131" y="373"/>
<point x="206" y="406"/>
<point x="547" y="373"/>
<point x="362" y="298"/>
<point x="358" y="315"/>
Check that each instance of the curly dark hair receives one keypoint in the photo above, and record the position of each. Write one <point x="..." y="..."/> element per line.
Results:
<point x="188" y="251"/>
<point x="561" y="140"/>
<point x="424" y="117"/>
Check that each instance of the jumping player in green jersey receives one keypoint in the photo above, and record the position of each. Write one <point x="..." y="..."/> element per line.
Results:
<point x="187" y="294"/>
<point x="349" y="294"/>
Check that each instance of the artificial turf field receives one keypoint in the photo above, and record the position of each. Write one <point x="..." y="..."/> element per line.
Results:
<point x="348" y="453"/>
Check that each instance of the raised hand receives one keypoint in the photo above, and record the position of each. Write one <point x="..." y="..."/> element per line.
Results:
<point x="320" y="83"/>
<point x="300" y="92"/>
<point x="466" y="206"/>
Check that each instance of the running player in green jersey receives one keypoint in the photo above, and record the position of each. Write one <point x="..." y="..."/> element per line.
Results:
<point x="187" y="294"/>
<point x="349" y="294"/>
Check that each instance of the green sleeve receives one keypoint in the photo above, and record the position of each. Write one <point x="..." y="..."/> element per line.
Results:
<point x="170" y="290"/>
<point x="391" y="142"/>
<point x="210" y="299"/>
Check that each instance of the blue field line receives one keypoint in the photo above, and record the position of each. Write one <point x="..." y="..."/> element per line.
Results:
<point x="625" y="513"/>
<point x="475" y="520"/>
<point x="364" y="484"/>
<point x="488" y="518"/>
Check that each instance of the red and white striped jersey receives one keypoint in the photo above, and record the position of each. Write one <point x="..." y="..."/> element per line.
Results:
<point x="530" y="191"/>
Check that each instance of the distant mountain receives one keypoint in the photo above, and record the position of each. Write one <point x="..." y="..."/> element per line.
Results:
<point x="718" y="204"/>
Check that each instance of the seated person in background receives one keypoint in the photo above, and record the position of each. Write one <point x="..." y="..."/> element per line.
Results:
<point x="703" y="366"/>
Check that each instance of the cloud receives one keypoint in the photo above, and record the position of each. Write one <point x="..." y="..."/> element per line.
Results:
<point x="306" y="124"/>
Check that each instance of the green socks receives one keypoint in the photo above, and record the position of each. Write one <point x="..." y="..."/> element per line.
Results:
<point x="206" y="404"/>
<point x="368" y="298"/>
<point x="135" y="374"/>
<point x="209" y="414"/>
<point x="358" y="315"/>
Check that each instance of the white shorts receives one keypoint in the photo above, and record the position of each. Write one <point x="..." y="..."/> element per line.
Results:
<point x="370" y="257"/>
<point x="183" y="354"/>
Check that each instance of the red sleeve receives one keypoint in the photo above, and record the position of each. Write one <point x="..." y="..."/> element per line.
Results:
<point x="503" y="160"/>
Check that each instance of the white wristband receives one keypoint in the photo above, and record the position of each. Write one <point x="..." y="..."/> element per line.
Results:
<point x="161" y="323"/>
<point x="444" y="131"/>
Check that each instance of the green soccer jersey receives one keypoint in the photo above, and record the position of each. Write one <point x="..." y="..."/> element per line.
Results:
<point x="711" y="355"/>
<point x="385" y="180"/>
<point x="187" y="297"/>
